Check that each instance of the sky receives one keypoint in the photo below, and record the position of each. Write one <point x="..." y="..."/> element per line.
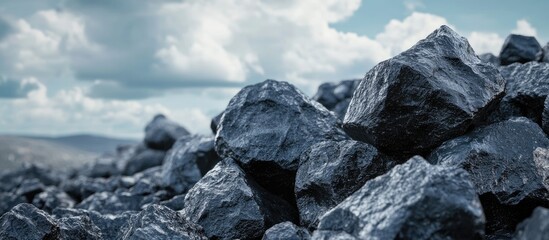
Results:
<point x="108" y="66"/>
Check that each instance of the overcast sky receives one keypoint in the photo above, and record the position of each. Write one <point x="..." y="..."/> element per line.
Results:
<point x="107" y="66"/>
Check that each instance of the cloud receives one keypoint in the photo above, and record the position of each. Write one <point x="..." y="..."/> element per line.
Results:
<point x="525" y="28"/>
<point x="413" y="5"/>
<point x="72" y="111"/>
<point x="18" y="88"/>
<point x="485" y="42"/>
<point x="401" y="35"/>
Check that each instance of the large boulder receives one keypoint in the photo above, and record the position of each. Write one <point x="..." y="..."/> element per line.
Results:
<point x="499" y="157"/>
<point x="161" y="133"/>
<point x="25" y="221"/>
<point x="157" y="222"/>
<point x="489" y="58"/>
<point x="52" y="198"/>
<point x="229" y="204"/>
<point x="336" y="96"/>
<point x="286" y="231"/>
<point x="414" y="200"/>
<point x="536" y="227"/>
<point x="520" y="49"/>
<point x="267" y="126"/>
<point x="424" y="96"/>
<point x="330" y="171"/>
<point x="526" y="89"/>
<point x="190" y="158"/>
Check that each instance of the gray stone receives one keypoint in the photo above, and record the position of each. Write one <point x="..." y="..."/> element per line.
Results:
<point x="228" y="204"/>
<point x="330" y="171"/>
<point x="113" y="203"/>
<point x="25" y="221"/>
<point x="536" y="227"/>
<point x="267" y="126"/>
<point x="336" y="96"/>
<point x="158" y="222"/>
<point x="175" y="203"/>
<point x="161" y="133"/>
<point x="520" y="49"/>
<point x="52" y="198"/>
<point x="424" y="96"/>
<point x="414" y="200"/>
<point x="109" y="224"/>
<point x="489" y="58"/>
<point x="9" y="200"/>
<point x="215" y="122"/>
<point x="286" y="231"/>
<point x="546" y="53"/>
<point x="144" y="159"/>
<point x="78" y="228"/>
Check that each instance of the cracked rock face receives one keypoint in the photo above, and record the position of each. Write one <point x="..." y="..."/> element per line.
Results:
<point x="228" y="204"/>
<point x="330" y="171"/>
<point x="267" y="126"/>
<point x="25" y="221"/>
<point x="109" y="225"/>
<point x="424" y="96"/>
<point x="520" y="49"/>
<point x="157" y="222"/>
<point x="161" y="133"/>
<point x="414" y="200"/>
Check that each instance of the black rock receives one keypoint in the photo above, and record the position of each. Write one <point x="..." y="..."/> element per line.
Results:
<point x="109" y="224"/>
<point x="520" y="49"/>
<point x="541" y="160"/>
<point x="52" y="198"/>
<point x="144" y="159"/>
<point x="336" y="97"/>
<point x="228" y="204"/>
<point x="114" y="203"/>
<point x="78" y="228"/>
<point x="159" y="222"/>
<point x="215" y="122"/>
<point x="536" y="227"/>
<point x="414" y="200"/>
<point x="144" y="187"/>
<point x="286" y="230"/>
<point x="267" y="126"/>
<point x="82" y="187"/>
<point x="161" y="133"/>
<point x="489" y="58"/>
<point x="545" y="116"/>
<point x="424" y="96"/>
<point x="29" y="188"/>
<point x="103" y="167"/>
<point x="9" y="200"/>
<point x="12" y="180"/>
<point x="25" y="221"/>
<point x="499" y="158"/>
<point x="331" y="171"/>
<point x="332" y="235"/>
<point x="175" y="203"/>
<point x="527" y="87"/>
<point x="189" y="159"/>
<point x="546" y="53"/>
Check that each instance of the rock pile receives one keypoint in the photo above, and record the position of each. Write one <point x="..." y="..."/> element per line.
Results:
<point x="434" y="143"/>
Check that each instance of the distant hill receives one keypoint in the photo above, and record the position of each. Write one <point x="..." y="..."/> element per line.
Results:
<point x="58" y="152"/>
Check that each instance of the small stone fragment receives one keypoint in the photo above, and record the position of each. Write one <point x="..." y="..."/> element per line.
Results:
<point x="286" y="231"/>
<point x="161" y="133"/>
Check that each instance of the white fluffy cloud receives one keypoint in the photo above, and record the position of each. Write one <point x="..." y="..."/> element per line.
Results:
<point x="485" y="42"/>
<point x="525" y="28"/>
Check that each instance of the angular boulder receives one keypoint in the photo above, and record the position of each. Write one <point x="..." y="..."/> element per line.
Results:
<point x="534" y="228"/>
<point x="414" y="200"/>
<point x="229" y="204"/>
<point x="520" y="49"/>
<point x="267" y="126"/>
<point x="500" y="160"/>
<point x="52" y="198"/>
<point x="189" y="159"/>
<point x="424" y="96"/>
<point x="78" y="228"/>
<point x="286" y="230"/>
<point x="330" y="171"/>
<point x="161" y="133"/>
<point x="159" y="222"/>
<point x="25" y="221"/>
<point x="489" y="58"/>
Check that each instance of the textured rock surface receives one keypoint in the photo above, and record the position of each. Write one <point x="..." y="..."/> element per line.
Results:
<point x="536" y="227"/>
<point x="414" y="200"/>
<point x="78" y="228"/>
<point x="25" y="221"/>
<point x="267" y="126"/>
<point x="161" y="133"/>
<point x="520" y="49"/>
<point x="331" y="171"/>
<point x="527" y="87"/>
<point x="546" y="53"/>
<point x="489" y="58"/>
<point x="108" y="224"/>
<point x="109" y="202"/>
<point x="545" y="116"/>
<point x="9" y="200"/>
<point x="430" y="93"/>
<point x="228" y="204"/>
<point x="52" y="198"/>
<point x="499" y="158"/>
<point x="189" y="159"/>
<point x="336" y="96"/>
<point x="286" y="230"/>
<point x="159" y="222"/>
